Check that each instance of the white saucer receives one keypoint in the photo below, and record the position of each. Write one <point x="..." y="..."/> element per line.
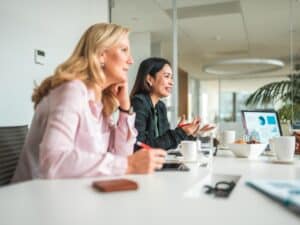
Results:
<point x="189" y="161"/>
<point x="283" y="161"/>
<point x="268" y="153"/>
<point x="172" y="161"/>
<point x="222" y="147"/>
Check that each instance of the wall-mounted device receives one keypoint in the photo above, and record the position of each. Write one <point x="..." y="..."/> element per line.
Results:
<point x="39" y="56"/>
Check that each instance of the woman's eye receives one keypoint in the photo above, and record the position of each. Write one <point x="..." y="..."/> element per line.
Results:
<point x="168" y="76"/>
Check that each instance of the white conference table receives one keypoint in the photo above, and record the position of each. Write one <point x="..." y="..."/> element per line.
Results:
<point x="160" y="199"/>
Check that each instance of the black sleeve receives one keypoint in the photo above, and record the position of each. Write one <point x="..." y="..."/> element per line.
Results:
<point x="169" y="139"/>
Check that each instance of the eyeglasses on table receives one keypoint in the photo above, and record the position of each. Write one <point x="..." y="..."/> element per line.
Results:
<point x="220" y="189"/>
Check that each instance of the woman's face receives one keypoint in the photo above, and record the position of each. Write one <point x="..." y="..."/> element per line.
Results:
<point x="117" y="61"/>
<point x="162" y="83"/>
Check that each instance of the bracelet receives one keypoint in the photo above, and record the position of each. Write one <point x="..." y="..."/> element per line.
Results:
<point x="129" y="111"/>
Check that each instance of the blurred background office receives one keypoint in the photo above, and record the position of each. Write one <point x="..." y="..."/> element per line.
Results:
<point x="220" y="49"/>
<point x="223" y="50"/>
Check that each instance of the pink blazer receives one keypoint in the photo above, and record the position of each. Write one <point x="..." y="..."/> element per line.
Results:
<point x="69" y="137"/>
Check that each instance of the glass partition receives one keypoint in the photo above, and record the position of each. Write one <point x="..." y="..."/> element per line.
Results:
<point x="212" y="33"/>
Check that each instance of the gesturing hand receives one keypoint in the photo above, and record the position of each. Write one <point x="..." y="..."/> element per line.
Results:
<point x="189" y="128"/>
<point x="182" y="120"/>
<point x="205" y="128"/>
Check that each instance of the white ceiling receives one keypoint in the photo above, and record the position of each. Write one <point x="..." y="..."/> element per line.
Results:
<point x="211" y="30"/>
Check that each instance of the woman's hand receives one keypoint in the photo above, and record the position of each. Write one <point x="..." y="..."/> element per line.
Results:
<point x="189" y="128"/>
<point x="120" y="91"/>
<point x="182" y="120"/>
<point x="205" y="128"/>
<point x="193" y="128"/>
<point x="146" y="161"/>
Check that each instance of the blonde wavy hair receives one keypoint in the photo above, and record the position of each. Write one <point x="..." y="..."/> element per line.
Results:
<point x="84" y="65"/>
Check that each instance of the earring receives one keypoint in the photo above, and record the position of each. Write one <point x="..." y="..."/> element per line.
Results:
<point x="102" y="65"/>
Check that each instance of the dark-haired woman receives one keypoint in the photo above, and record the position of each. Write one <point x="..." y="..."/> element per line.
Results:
<point x="155" y="81"/>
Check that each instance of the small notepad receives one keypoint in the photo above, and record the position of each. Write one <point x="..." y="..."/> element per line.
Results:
<point x="115" y="185"/>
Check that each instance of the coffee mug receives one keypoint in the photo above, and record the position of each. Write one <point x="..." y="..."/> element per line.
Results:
<point x="284" y="147"/>
<point x="189" y="150"/>
<point x="271" y="144"/>
<point x="199" y="143"/>
<point x="227" y="137"/>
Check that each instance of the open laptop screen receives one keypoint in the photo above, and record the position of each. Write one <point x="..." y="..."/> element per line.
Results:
<point x="261" y="124"/>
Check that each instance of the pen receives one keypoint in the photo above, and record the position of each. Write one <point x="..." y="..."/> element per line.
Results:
<point x="143" y="145"/>
<point x="183" y="124"/>
<point x="186" y="124"/>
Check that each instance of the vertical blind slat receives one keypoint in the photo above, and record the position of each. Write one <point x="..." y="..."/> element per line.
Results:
<point x="11" y="143"/>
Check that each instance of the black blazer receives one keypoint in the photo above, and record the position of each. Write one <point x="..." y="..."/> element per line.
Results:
<point x="145" y="124"/>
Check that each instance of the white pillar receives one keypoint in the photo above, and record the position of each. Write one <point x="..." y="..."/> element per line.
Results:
<point x="175" y="66"/>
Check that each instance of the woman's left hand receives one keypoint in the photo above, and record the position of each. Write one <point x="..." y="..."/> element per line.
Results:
<point x="189" y="128"/>
<point x="120" y="91"/>
<point x="205" y="128"/>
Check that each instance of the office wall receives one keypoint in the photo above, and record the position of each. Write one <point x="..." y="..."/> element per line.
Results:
<point x="248" y="85"/>
<point x="140" y="43"/>
<point x="53" y="26"/>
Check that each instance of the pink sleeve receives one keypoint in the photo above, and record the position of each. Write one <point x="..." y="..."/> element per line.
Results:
<point x="60" y="157"/>
<point x="123" y="135"/>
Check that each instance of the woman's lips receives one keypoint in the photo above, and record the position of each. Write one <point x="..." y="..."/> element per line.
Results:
<point x="169" y="89"/>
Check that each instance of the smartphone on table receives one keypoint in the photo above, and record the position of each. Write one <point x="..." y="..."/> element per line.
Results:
<point x="174" y="166"/>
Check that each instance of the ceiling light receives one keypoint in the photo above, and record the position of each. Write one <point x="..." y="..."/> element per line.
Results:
<point x="243" y="66"/>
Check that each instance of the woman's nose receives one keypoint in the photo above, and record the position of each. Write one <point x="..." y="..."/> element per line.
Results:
<point x="130" y="60"/>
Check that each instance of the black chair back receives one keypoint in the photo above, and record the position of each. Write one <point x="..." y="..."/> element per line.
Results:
<point x="11" y="143"/>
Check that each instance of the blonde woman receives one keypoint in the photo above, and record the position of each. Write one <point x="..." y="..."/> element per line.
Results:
<point x="72" y="133"/>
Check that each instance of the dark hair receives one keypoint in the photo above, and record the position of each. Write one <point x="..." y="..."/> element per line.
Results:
<point x="148" y="66"/>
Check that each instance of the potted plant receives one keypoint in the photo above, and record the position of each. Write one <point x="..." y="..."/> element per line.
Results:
<point x="285" y="93"/>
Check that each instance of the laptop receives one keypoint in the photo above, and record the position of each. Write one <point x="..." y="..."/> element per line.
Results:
<point x="261" y="124"/>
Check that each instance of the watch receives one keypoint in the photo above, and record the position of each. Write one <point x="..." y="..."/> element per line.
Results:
<point x="129" y="111"/>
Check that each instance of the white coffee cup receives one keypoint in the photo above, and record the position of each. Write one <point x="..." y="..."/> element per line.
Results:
<point x="188" y="150"/>
<point x="227" y="137"/>
<point x="271" y="144"/>
<point x="199" y="143"/>
<point x="284" y="147"/>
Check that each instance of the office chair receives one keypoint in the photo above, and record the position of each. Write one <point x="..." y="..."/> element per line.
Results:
<point x="11" y="143"/>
